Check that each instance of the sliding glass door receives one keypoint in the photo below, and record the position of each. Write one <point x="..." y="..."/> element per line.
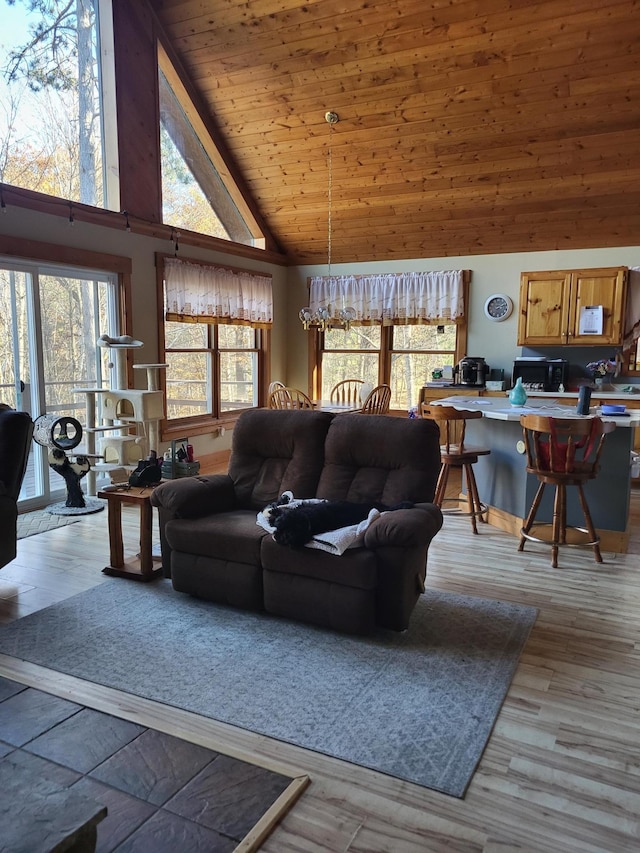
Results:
<point x="50" y="320"/>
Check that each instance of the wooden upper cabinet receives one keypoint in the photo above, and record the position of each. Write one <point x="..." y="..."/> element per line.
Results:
<point x="551" y="303"/>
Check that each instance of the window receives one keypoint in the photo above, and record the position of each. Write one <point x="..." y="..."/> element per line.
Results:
<point x="400" y="346"/>
<point x="216" y="336"/>
<point x="415" y="352"/>
<point x="54" y="98"/>
<point x="51" y="316"/>
<point x="198" y="192"/>
<point x="350" y="355"/>
<point x="212" y="369"/>
<point x="400" y="356"/>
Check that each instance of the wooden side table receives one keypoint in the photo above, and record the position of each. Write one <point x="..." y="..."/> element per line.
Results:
<point x="141" y="567"/>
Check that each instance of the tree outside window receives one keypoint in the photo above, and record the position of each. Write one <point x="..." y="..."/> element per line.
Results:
<point x="51" y="100"/>
<point x="212" y="369"/>
<point x="400" y="356"/>
<point x="416" y="351"/>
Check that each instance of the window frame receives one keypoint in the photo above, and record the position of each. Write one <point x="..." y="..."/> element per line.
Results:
<point x="192" y="115"/>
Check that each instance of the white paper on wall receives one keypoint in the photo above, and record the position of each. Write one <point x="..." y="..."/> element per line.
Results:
<point x="591" y="320"/>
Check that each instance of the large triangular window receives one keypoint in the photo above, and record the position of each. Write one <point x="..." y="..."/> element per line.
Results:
<point x="198" y="193"/>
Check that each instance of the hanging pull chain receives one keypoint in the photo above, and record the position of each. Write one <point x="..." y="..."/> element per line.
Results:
<point x="332" y="118"/>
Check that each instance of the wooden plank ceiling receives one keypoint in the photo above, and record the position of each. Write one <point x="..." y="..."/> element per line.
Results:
<point x="466" y="126"/>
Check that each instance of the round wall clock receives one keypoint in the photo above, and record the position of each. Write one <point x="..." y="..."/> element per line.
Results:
<point x="498" y="307"/>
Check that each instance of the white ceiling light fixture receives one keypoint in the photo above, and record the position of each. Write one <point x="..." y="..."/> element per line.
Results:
<point x="323" y="317"/>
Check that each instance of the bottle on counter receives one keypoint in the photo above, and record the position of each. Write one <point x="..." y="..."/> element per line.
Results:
<point x="518" y="394"/>
<point x="584" y="400"/>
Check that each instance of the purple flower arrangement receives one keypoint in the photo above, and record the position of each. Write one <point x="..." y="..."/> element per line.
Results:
<point x="603" y="367"/>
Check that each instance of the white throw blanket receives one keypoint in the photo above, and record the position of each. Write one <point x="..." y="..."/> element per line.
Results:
<point x="333" y="541"/>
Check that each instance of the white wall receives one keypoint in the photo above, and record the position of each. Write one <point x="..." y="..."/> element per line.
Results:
<point x="496" y="342"/>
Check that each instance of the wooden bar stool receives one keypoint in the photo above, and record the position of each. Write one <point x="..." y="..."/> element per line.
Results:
<point x="563" y="452"/>
<point x="454" y="453"/>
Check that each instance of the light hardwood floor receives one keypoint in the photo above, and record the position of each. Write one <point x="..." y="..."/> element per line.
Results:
<point x="562" y="768"/>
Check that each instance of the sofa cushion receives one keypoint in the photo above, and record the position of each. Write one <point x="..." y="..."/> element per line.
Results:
<point x="357" y="567"/>
<point x="231" y="536"/>
<point x="275" y="451"/>
<point x="380" y="458"/>
<point x="331" y="605"/>
<point x="224" y="581"/>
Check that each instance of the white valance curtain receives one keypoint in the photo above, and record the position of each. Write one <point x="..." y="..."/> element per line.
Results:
<point x="411" y="297"/>
<point x="203" y="293"/>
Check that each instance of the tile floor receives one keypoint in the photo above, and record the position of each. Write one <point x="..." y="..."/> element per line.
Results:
<point x="162" y="793"/>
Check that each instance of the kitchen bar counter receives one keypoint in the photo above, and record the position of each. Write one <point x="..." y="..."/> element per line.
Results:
<point x="508" y="490"/>
<point x="549" y="405"/>
<point x="616" y="394"/>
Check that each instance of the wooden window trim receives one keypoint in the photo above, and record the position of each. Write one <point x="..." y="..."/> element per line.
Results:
<point x="55" y="206"/>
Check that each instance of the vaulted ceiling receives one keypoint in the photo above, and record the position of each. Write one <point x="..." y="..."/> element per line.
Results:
<point x="465" y="126"/>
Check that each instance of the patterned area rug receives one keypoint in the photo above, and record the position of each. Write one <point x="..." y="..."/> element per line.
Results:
<point x="419" y="705"/>
<point x="32" y="523"/>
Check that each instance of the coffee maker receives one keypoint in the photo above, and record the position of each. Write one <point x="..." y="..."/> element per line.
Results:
<point x="472" y="371"/>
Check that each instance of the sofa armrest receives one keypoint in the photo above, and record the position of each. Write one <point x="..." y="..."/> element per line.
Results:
<point x="404" y="528"/>
<point x="194" y="497"/>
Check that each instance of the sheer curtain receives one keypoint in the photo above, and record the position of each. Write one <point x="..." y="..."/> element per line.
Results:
<point x="411" y="297"/>
<point x="203" y="293"/>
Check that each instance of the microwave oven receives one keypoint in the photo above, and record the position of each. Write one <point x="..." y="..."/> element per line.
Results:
<point x="541" y="374"/>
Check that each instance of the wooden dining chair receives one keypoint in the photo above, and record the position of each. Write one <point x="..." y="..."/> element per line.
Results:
<point x="378" y="401"/>
<point x="289" y="398"/>
<point x="347" y="391"/>
<point x="273" y="385"/>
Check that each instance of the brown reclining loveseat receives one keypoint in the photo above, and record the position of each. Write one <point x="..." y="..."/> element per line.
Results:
<point x="213" y="548"/>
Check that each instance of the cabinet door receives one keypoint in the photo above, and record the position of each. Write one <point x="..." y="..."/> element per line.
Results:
<point x="606" y="287"/>
<point x="544" y="308"/>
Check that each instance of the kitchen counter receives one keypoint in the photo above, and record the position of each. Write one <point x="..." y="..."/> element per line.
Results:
<point x="507" y="488"/>
<point x="616" y="394"/>
<point x="549" y="405"/>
